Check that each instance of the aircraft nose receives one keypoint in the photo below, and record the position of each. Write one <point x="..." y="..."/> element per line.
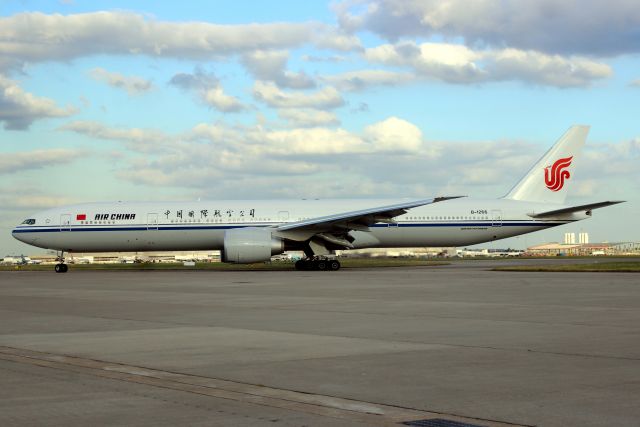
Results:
<point x="17" y="235"/>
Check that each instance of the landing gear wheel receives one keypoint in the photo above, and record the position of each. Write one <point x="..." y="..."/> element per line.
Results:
<point x="303" y="265"/>
<point x="61" y="267"/>
<point x="320" y="264"/>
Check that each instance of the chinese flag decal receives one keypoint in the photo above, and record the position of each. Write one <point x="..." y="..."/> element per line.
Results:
<point x="81" y="217"/>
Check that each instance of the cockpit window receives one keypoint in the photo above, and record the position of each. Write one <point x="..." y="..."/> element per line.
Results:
<point x="30" y="221"/>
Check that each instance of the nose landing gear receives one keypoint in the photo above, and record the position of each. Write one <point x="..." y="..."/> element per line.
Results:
<point x="61" y="267"/>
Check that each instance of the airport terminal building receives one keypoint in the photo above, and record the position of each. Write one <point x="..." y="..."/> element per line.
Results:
<point x="584" y="249"/>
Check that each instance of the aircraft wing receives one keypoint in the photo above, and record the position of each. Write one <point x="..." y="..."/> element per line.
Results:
<point x="572" y="209"/>
<point x="341" y="223"/>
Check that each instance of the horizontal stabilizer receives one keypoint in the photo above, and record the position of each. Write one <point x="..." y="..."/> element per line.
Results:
<point x="588" y="207"/>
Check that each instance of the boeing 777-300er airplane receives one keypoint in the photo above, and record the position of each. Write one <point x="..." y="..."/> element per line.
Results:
<point x="254" y="230"/>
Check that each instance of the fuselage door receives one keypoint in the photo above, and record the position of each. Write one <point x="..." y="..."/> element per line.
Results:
<point x="65" y="222"/>
<point x="496" y="218"/>
<point x="283" y="216"/>
<point x="152" y="221"/>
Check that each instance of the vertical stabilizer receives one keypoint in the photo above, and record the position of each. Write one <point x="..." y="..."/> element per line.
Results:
<point x="551" y="177"/>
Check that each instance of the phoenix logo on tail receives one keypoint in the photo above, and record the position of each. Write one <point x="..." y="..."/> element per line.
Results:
<point x="555" y="175"/>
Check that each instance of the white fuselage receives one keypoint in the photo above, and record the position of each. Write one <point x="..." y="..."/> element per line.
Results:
<point x="158" y="226"/>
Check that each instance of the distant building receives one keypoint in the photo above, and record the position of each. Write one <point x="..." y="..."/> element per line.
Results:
<point x="551" y="249"/>
<point x="398" y="252"/>
<point x="131" y="257"/>
<point x="626" y="248"/>
<point x="586" y="249"/>
<point x="583" y="247"/>
<point x="547" y="249"/>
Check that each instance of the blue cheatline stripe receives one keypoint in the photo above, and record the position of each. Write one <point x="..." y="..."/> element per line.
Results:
<point x="511" y="223"/>
<point x="474" y="224"/>
<point x="152" y="228"/>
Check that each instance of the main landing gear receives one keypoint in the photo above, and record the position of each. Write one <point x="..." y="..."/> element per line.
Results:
<point x="61" y="267"/>
<point x="318" y="263"/>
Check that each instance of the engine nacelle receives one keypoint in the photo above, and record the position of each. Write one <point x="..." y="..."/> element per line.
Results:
<point x="251" y="244"/>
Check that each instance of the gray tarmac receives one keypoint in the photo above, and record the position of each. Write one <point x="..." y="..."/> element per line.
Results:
<point x="354" y="347"/>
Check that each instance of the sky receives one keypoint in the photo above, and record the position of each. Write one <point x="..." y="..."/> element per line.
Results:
<point x="142" y="100"/>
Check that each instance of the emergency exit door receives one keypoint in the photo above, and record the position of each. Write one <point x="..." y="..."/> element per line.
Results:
<point x="65" y="222"/>
<point x="496" y="218"/>
<point x="152" y="221"/>
<point x="283" y="216"/>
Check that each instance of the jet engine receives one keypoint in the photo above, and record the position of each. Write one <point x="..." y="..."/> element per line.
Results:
<point x="250" y="244"/>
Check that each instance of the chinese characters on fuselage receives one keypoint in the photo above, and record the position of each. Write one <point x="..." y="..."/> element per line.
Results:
<point x="209" y="213"/>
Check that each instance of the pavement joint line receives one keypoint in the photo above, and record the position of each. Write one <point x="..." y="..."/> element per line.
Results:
<point x="433" y="316"/>
<point x="322" y="405"/>
<point x="521" y="350"/>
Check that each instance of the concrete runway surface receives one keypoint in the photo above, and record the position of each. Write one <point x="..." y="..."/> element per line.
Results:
<point x="355" y="347"/>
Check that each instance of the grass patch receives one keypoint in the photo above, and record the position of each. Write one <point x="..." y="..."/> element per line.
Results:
<point x="265" y="266"/>
<point x="605" y="267"/>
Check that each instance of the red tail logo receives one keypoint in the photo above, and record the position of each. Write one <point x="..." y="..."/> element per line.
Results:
<point x="555" y="175"/>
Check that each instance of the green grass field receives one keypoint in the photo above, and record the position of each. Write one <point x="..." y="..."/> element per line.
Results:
<point x="274" y="266"/>
<point x="621" y="267"/>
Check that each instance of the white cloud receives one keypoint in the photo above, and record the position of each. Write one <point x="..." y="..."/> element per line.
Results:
<point x="201" y="163"/>
<point x="37" y="159"/>
<point x="141" y="140"/>
<point x="32" y="202"/>
<point x="539" y="68"/>
<point x="36" y="37"/>
<point x="269" y="93"/>
<point x="388" y="158"/>
<point x="317" y="58"/>
<point x="132" y="84"/>
<point x="589" y="27"/>
<point x="312" y="141"/>
<point x="221" y="133"/>
<point x="216" y="98"/>
<point x="209" y="90"/>
<point x="459" y="64"/>
<point x="145" y="175"/>
<point x="394" y="134"/>
<point x="19" y="109"/>
<point x="200" y="80"/>
<point x="308" y="117"/>
<point x="363" y="79"/>
<point x="635" y="83"/>
<point x="336" y="39"/>
<point x="614" y="159"/>
<point x="263" y="142"/>
<point x="98" y="130"/>
<point x="270" y="66"/>
<point x="211" y="151"/>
